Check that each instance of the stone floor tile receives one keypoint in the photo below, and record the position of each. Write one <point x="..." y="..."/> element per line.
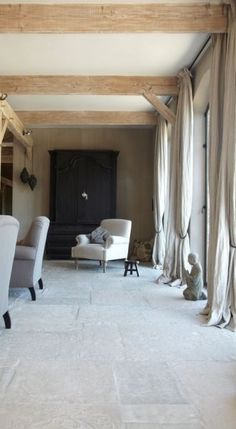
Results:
<point x="31" y="316"/>
<point x="113" y="314"/>
<point x="179" y="414"/>
<point x="163" y="426"/>
<point x="59" y="415"/>
<point x="81" y="381"/>
<point x="115" y="296"/>
<point x="147" y="383"/>
<point x="101" y="342"/>
<point x="211" y="388"/>
<point x="28" y="345"/>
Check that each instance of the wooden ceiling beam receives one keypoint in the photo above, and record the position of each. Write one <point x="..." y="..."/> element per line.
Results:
<point x="112" y="18"/>
<point x="160" y="107"/>
<point x="72" y="118"/>
<point x="93" y="85"/>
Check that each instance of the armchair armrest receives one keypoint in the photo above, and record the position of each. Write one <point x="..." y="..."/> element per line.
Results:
<point x="82" y="239"/>
<point x="115" y="239"/>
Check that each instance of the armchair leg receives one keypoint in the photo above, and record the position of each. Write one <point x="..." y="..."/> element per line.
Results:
<point x="32" y="293"/>
<point x="40" y="282"/>
<point x="7" y="320"/>
<point x="104" y="264"/>
<point x="76" y="264"/>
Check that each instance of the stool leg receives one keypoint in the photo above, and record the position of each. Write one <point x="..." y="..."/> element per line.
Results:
<point x="135" y="268"/>
<point x="131" y="268"/>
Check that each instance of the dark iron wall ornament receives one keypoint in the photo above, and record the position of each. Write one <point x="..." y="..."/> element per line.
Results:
<point x="24" y="175"/>
<point x="27" y="178"/>
<point x="32" y="181"/>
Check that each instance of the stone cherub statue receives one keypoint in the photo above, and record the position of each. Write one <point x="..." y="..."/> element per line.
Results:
<point x="194" y="280"/>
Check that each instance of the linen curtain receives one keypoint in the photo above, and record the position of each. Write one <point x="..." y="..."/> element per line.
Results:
<point x="221" y="306"/>
<point x="216" y="102"/>
<point x="160" y="187"/>
<point x="177" y="242"/>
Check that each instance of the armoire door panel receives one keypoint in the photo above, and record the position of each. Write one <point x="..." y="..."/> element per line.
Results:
<point x="82" y="193"/>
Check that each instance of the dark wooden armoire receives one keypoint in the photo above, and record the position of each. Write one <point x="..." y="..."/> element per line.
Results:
<point x="82" y="193"/>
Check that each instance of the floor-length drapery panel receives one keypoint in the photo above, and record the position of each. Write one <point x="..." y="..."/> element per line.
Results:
<point x="222" y="249"/>
<point x="216" y="102"/>
<point x="177" y="243"/>
<point x="159" y="190"/>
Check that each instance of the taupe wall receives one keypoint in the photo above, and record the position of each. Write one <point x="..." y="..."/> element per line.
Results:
<point x="134" y="172"/>
<point x="22" y="196"/>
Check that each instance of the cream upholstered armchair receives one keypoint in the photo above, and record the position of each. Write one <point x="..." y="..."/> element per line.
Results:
<point x="27" y="266"/>
<point x="9" y="227"/>
<point x="114" y="246"/>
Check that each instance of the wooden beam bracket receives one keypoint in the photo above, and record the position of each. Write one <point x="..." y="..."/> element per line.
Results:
<point x="160" y="107"/>
<point x="4" y="124"/>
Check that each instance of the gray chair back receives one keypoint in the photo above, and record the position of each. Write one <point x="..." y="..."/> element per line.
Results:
<point x="36" y="237"/>
<point x="9" y="228"/>
<point x="120" y="227"/>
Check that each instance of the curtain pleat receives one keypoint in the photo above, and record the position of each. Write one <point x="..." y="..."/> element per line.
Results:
<point x="160" y="186"/>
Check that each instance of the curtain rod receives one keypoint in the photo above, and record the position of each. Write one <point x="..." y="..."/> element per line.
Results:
<point x="200" y="53"/>
<point x="195" y="61"/>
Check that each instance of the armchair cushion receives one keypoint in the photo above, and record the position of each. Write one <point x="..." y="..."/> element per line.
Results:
<point x="25" y="252"/>
<point x="98" y="236"/>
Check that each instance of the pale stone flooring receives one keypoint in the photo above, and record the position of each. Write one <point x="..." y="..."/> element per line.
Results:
<point x="103" y="351"/>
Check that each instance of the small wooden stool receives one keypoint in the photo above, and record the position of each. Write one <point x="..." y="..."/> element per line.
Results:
<point x="131" y="266"/>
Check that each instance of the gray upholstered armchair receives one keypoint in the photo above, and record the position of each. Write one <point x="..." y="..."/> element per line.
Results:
<point x="115" y="245"/>
<point x="9" y="227"/>
<point x="27" y="266"/>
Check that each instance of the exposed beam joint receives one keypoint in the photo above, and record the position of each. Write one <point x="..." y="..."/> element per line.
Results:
<point x="94" y="85"/>
<point x="112" y="18"/>
<point x="77" y="118"/>
<point x="160" y="107"/>
<point x="3" y="127"/>
<point x="16" y="126"/>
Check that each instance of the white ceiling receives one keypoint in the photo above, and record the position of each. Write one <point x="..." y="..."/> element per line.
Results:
<point x="94" y="54"/>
